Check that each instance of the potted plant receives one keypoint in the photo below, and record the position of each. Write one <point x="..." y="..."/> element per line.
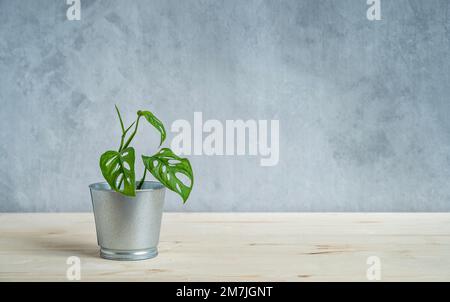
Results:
<point x="128" y="212"/>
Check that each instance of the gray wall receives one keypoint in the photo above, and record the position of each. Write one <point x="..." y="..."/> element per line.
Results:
<point x="363" y="106"/>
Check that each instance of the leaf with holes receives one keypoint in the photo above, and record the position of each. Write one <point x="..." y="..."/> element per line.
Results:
<point x="118" y="170"/>
<point x="152" y="119"/>
<point x="172" y="171"/>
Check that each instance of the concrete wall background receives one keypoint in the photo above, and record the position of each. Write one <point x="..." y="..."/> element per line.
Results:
<point x="363" y="106"/>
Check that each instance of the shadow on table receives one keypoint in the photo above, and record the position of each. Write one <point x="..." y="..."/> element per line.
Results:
<point x="57" y="243"/>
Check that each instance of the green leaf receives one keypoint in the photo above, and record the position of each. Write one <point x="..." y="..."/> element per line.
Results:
<point x="167" y="167"/>
<point x="117" y="168"/>
<point x="152" y="119"/>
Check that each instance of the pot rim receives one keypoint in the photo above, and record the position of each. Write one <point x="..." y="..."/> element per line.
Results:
<point x="104" y="186"/>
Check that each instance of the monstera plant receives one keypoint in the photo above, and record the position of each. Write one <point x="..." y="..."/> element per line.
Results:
<point x="117" y="167"/>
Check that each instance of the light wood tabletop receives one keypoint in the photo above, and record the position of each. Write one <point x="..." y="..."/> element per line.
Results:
<point x="237" y="247"/>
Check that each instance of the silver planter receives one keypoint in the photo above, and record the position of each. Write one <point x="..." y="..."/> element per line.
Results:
<point x="128" y="227"/>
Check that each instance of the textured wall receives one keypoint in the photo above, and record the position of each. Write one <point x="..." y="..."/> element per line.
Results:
<point x="363" y="106"/>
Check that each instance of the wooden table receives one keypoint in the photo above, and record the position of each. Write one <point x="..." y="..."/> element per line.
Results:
<point x="237" y="247"/>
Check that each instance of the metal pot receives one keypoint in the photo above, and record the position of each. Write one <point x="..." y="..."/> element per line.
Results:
<point x="128" y="227"/>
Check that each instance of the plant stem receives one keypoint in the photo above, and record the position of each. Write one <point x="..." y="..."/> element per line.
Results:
<point x="120" y="183"/>
<point x="124" y="133"/>
<point x="121" y="127"/>
<point x="120" y="118"/>
<point x="133" y="134"/>
<point x="121" y="142"/>
<point x="141" y="182"/>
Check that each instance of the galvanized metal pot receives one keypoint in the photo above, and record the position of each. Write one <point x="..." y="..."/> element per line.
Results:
<point x="128" y="227"/>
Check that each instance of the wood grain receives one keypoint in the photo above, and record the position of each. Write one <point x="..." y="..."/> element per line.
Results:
<point x="236" y="247"/>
